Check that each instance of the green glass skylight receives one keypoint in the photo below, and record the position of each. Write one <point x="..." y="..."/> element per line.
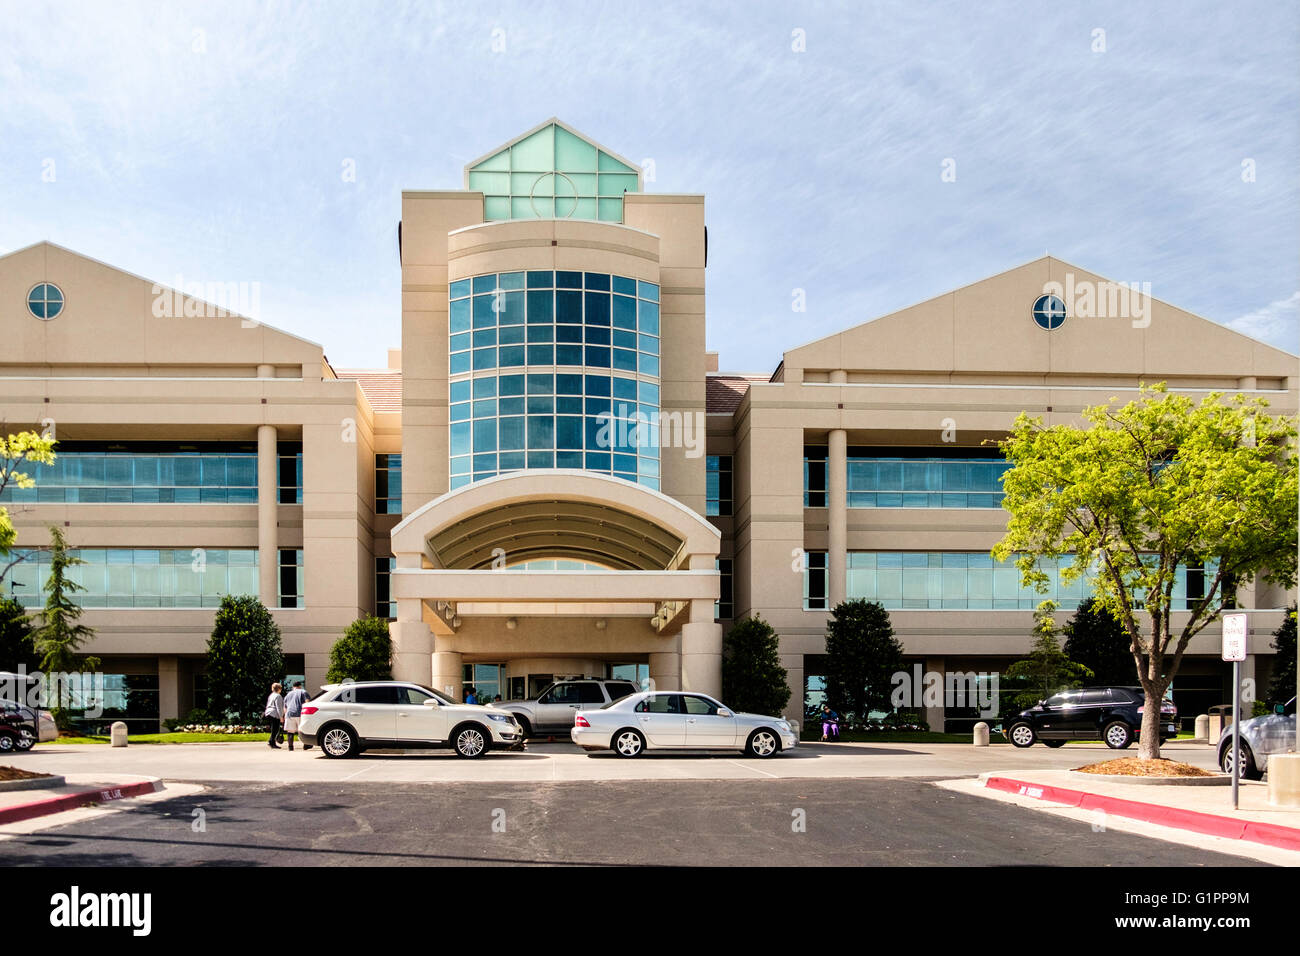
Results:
<point x="553" y="173"/>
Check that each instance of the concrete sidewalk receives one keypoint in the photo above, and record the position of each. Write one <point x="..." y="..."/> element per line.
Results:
<point x="1205" y="810"/>
<point x="77" y="790"/>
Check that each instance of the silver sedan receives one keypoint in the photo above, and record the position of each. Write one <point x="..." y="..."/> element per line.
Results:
<point x="678" y="720"/>
<point x="1260" y="736"/>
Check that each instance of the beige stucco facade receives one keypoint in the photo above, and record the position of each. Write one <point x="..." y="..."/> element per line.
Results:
<point x="948" y="373"/>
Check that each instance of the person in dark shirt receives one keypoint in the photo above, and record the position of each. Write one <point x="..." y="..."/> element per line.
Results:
<point x="830" y="723"/>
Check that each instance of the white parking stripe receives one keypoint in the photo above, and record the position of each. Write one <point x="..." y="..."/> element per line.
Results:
<point x="755" y="769"/>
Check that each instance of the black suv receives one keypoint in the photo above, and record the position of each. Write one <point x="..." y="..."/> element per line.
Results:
<point x="1112" y="714"/>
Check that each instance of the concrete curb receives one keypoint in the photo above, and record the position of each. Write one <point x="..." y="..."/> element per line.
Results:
<point x="71" y="801"/>
<point x="1270" y="834"/>
<point x="1219" y="780"/>
<point x="33" y="783"/>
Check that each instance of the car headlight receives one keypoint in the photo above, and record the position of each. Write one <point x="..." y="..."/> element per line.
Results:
<point x="784" y="725"/>
<point x="504" y="718"/>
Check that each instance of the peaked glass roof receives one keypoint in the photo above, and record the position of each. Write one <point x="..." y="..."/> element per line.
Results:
<point x="553" y="173"/>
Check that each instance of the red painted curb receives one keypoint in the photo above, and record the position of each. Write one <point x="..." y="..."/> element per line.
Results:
<point x="71" y="801"/>
<point x="1271" y="834"/>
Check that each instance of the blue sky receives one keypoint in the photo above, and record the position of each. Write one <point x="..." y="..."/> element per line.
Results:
<point x="207" y="141"/>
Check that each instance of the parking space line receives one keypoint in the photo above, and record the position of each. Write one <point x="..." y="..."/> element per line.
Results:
<point x="359" y="772"/>
<point x="755" y="769"/>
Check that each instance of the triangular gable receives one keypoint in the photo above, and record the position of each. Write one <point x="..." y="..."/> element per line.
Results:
<point x="111" y="317"/>
<point x="989" y="327"/>
<point x="553" y="172"/>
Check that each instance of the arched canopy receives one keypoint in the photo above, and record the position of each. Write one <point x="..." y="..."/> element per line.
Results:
<point x="556" y="513"/>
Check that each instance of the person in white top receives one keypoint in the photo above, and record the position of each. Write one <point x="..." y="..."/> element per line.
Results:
<point x="274" y="713"/>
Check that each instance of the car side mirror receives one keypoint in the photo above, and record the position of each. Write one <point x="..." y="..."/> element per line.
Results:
<point x="432" y="702"/>
<point x="723" y="712"/>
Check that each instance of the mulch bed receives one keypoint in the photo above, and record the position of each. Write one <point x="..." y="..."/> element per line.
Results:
<point x="1137" y="767"/>
<point x="13" y="773"/>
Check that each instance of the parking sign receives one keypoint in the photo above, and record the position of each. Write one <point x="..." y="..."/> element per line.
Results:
<point x="1234" y="637"/>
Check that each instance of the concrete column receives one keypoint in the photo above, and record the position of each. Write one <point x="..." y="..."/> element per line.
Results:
<point x="268" y="556"/>
<point x="934" y="715"/>
<point x="838" y="513"/>
<point x="795" y="681"/>
<point x="266" y="371"/>
<point x="666" y="670"/>
<point x="448" y="672"/>
<point x="169" y="688"/>
<point x="702" y="651"/>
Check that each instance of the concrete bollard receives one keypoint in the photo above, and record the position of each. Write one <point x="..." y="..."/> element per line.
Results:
<point x="118" y="734"/>
<point x="1214" y="728"/>
<point x="981" y="735"/>
<point x="1284" y="780"/>
<point x="1203" y="728"/>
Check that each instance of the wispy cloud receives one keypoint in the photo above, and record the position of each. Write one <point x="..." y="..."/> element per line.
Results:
<point x="1278" y="323"/>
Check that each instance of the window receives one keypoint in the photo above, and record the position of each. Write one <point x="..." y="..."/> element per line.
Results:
<point x="659" y="704"/>
<point x="561" y="694"/>
<point x="723" y="608"/>
<point x="718" y="485"/>
<point x="291" y="578"/>
<point x="376" y="695"/>
<point x="290" y="472"/>
<point x="483" y="679"/>
<point x="814" y="581"/>
<point x="590" y="694"/>
<point x="388" y="484"/>
<point x="698" y="705"/>
<point x="142" y="577"/>
<point x="563" y="400"/>
<point x="413" y="695"/>
<point x="619" y="691"/>
<point x="893" y="481"/>
<point x="814" y="477"/>
<point x="45" y="301"/>
<point x="385" y="606"/>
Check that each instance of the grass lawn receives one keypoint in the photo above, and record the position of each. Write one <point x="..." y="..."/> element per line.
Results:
<point x="165" y="739"/>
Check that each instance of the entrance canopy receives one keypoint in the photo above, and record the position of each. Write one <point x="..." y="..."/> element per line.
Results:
<point x="466" y="553"/>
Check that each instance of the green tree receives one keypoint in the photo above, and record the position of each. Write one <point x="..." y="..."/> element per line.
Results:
<point x="1281" y="685"/>
<point x="16" y="451"/>
<point x="364" y="652"/>
<point x="1142" y="490"/>
<point x="862" y="656"/>
<point x="17" y="645"/>
<point x="59" y="637"/>
<point x="244" y="658"/>
<point x="753" y="679"/>
<point x="1096" y="640"/>
<point x="1047" y="669"/>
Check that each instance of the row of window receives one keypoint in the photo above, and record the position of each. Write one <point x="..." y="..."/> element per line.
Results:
<point x="538" y="279"/>
<point x="717" y="487"/>
<point x="896" y="482"/>
<point x="156" y="577"/>
<point x="210" y="476"/>
<point x="958" y="580"/>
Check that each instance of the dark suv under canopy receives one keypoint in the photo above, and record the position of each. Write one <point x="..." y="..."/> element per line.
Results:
<point x="1112" y="714"/>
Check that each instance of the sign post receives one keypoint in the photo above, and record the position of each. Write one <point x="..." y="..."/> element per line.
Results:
<point x="1235" y="632"/>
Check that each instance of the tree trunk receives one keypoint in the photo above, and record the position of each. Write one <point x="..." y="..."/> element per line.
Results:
<point x="1149" y="743"/>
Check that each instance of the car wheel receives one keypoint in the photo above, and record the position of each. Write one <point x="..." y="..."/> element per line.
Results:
<point x="629" y="743"/>
<point x="525" y="728"/>
<point x="1117" y="735"/>
<point x="1248" y="769"/>
<point x="8" y="743"/>
<point x="470" y="741"/>
<point x="762" y="743"/>
<point x="1054" y="743"/>
<point x="338" y="741"/>
<point x="1022" y="735"/>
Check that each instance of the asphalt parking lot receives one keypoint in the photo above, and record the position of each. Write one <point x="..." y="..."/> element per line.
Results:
<point x="559" y="762"/>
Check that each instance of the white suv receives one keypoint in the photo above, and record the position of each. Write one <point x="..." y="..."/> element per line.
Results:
<point x="345" y="719"/>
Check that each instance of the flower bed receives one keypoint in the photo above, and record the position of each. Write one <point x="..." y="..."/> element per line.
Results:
<point x="220" y="729"/>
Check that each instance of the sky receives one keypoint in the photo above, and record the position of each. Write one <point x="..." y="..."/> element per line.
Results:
<point x="1155" y="143"/>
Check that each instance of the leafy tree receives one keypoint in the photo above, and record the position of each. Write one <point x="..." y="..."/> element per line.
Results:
<point x="244" y="658"/>
<point x="1096" y="640"/>
<point x="15" y="452"/>
<point x="364" y="652"/>
<point x="17" y="645"/>
<point x="59" y="637"/>
<point x="1281" y="685"/>
<point x="1144" y="489"/>
<point x="862" y="657"/>
<point x="753" y="679"/>
<point x="1047" y="669"/>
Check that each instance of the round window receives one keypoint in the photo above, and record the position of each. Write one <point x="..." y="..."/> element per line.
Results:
<point x="45" y="301"/>
<point x="1049" y="312"/>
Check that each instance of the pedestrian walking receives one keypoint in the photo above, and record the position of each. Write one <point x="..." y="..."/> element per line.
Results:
<point x="274" y="713"/>
<point x="293" y="702"/>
